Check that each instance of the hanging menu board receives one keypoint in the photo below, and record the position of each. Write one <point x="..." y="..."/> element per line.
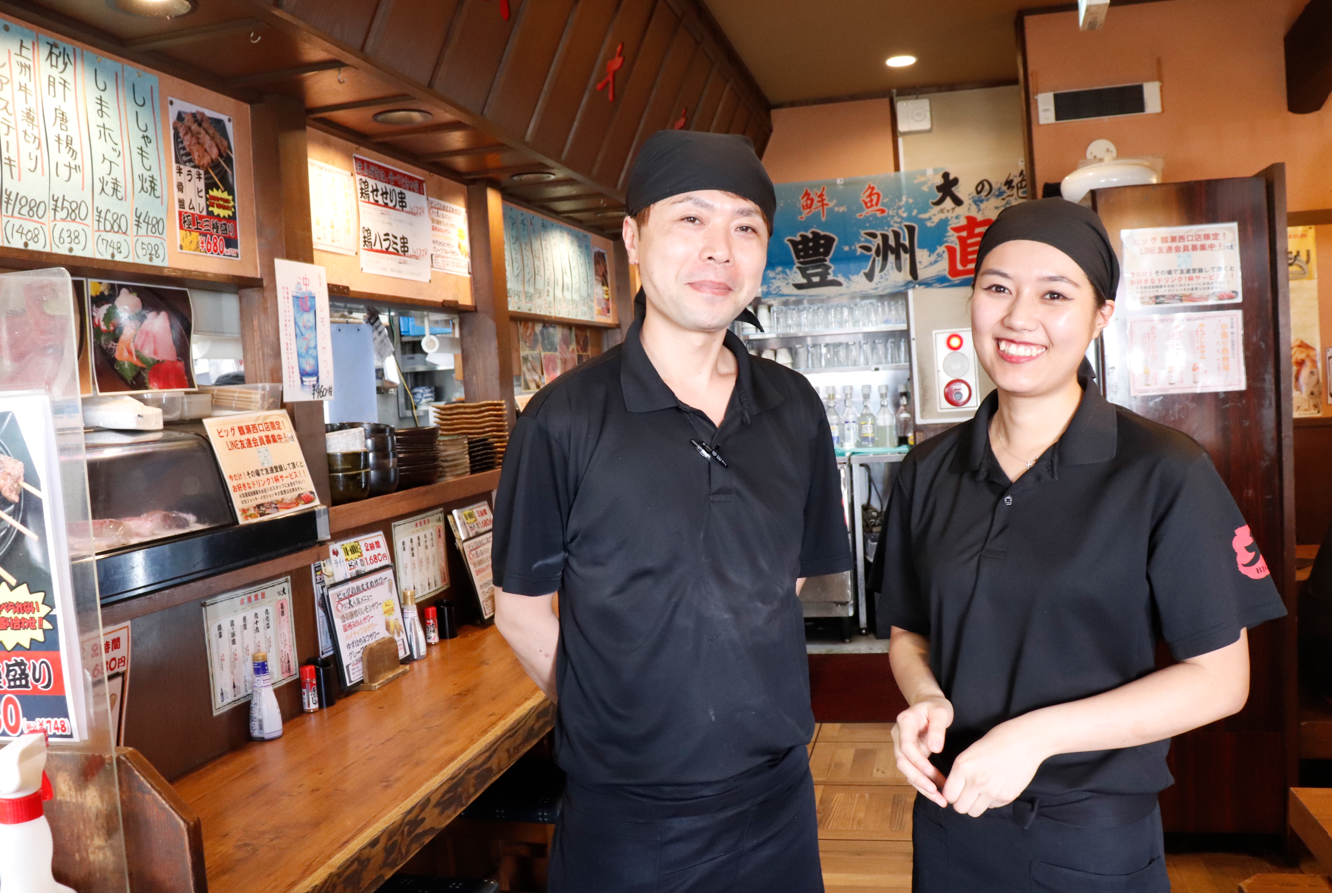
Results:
<point x="395" y="221"/>
<point x="81" y="153"/>
<point x="549" y="267"/>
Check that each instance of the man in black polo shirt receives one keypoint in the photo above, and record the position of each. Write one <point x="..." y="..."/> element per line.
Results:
<point x="675" y="491"/>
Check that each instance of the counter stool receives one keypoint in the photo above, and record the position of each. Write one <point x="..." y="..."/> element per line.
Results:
<point x="516" y="818"/>
<point x="407" y="883"/>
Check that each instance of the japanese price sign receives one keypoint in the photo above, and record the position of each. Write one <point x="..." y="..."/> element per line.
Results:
<point x="262" y="463"/>
<point x="1180" y="265"/>
<point x="395" y="221"/>
<point x="352" y="558"/>
<point x="307" y="346"/>
<point x="873" y="235"/>
<point x="80" y="152"/>
<point x="202" y="142"/>
<point x="365" y="610"/>
<point x="237" y="625"/>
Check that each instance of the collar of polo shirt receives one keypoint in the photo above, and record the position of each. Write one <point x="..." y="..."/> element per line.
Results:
<point x="644" y="390"/>
<point x="1091" y="437"/>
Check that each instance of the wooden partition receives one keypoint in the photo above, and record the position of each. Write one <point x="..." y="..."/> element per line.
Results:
<point x="1232" y="776"/>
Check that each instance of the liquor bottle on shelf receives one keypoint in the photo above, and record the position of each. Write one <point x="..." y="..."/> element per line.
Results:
<point x="906" y="434"/>
<point x="849" y="427"/>
<point x="883" y="423"/>
<point x="866" y="438"/>
<point x="834" y="417"/>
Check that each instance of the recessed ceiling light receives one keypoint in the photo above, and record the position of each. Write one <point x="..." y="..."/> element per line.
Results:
<point x="901" y="61"/>
<point x="154" y="9"/>
<point x="402" y="117"/>
<point x="532" y="177"/>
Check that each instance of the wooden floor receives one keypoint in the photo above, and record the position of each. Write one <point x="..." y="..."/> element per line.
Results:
<point x="865" y="822"/>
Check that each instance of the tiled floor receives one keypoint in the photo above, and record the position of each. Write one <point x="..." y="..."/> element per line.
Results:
<point x="865" y="822"/>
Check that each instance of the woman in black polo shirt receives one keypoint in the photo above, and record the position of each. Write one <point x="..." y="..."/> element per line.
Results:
<point x="1030" y="558"/>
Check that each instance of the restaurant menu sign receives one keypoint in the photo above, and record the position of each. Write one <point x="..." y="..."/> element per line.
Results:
<point x="449" y="252"/>
<point x="1305" y="322"/>
<point x="236" y="626"/>
<point x="205" y="165"/>
<point x="1180" y="265"/>
<point x="332" y="208"/>
<point x="41" y="670"/>
<point x="262" y="464"/>
<point x="307" y="346"/>
<point x="473" y="528"/>
<point x="549" y="266"/>
<point x="352" y="558"/>
<point x="1186" y="353"/>
<point x="365" y="609"/>
<point x="419" y="544"/>
<point x="885" y="233"/>
<point x="395" y="221"/>
<point x="81" y="154"/>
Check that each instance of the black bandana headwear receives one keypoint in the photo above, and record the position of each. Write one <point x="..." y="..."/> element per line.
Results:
<point x="675" y="161"/>
<point x="1073" y="229"/>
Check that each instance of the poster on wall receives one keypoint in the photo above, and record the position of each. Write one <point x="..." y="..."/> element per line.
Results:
<point x="205" y="168"/>
<point x="307" y="345"/>
<point x="83" y="153"/>
<point x="449" y="251"/>
<point x="422" y="554"/>
<point x="549" y="268"/>
<point x="885" y="233"/>
<point x="332" y="208"/>
<point x="395" y="221"/>
<point x="238" y="624"/>
<point x="262" y="463"/>
<point x="41" y="675"/>
<point x="1169" y="265"/>
<point x="1186" y="353"/>
<point x="1305" y="337"/>
<point x="601" y="290"/>
<point x="139" y="337"/>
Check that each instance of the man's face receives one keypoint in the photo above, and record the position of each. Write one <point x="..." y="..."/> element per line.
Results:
<point x="701" y="257"/>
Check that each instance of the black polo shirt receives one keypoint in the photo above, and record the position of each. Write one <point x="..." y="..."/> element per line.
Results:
<point x="682" y="648"/>
<point x="1057" y="587"/>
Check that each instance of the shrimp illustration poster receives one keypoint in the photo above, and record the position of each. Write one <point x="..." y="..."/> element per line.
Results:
<point x="205" y="169"/>
<point x="139" y="337"/>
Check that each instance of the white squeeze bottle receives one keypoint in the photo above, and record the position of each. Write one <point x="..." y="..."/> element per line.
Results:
<point x="265" y="717"/>
<point x="25" y="835"/>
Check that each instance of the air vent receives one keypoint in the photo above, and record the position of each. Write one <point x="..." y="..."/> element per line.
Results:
<point x="1101" y="102"/>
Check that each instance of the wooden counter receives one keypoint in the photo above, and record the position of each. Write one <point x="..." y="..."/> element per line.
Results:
<point x="350" y="793"/>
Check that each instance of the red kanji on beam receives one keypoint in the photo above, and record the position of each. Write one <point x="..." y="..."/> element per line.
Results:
<point x="680" y="124"/>
<point x="504" y="9"/>
<point x="612" y="66"/>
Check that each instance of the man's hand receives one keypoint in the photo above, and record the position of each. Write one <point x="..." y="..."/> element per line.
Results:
<point x="920" y="732"/>
<point x="995" y="770"/>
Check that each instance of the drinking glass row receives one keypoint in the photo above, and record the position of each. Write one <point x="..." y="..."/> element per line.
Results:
<point x="882" y="350"/>
<point x="787" y="319"/>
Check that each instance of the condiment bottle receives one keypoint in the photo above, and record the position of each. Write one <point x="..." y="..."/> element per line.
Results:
<point x="309" y="690"/>
<point x="25" y="835"/>
<point x="416" y="640"/>
<point x="432" y="625"/>
<point x="265" y="717"/>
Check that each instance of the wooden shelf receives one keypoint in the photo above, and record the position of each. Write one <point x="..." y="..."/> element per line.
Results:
<point x="348" y="794"/>
<point x="342" y="518"/>
<point x="92" y="268"/>
<point x="344" y="291"/>
<point x="564" y="321"/>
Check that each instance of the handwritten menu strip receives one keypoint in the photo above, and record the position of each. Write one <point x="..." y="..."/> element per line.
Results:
<point x="240" y="623"/>
<point x="81" y="152"/>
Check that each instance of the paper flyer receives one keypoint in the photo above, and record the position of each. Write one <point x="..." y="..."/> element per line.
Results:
<point x="364" y="610"/>
<point x="332" y="208"/>
<point x="394" y="219"/>
<point x="449" y="251"/>
<point x="262" y="464"/>
<point x="1186" y="353"/>
<point x="206" y="218"/>
<point x="1180" y="265"/>
<point x="237" y="625"/>
<point x="307" y="344"/>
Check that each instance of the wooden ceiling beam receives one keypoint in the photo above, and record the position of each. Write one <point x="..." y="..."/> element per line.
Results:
<point x="320" y="110"/>
<point x="447" y="127"/>
<point x="1309" y="58"/>
<point x="282" y="74"/>
<point x="462" y="153"/>
<point x="500" y="173"/>
<point x="191" y="35"/>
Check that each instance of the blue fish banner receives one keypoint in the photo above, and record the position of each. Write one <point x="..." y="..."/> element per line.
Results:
<point x="886" y="233"/>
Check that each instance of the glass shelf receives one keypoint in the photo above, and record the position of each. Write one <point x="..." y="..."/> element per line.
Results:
<point x="818" y="333"/>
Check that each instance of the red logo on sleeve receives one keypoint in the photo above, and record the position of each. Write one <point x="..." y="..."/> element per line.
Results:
<point x="1254" y="570"/>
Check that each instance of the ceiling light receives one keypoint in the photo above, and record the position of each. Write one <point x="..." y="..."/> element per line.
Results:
<point x="901" y="61"/>
<point x="532" y="177"/>
<point x="154" y="8"/>
<point x="402" y="117"/>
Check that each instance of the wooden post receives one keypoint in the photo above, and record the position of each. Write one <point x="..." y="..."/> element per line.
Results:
<point x="282" y="200"/>
<point x="487" y="335"/>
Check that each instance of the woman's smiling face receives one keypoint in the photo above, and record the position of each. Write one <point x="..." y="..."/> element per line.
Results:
<point x="1033" y="315"/>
